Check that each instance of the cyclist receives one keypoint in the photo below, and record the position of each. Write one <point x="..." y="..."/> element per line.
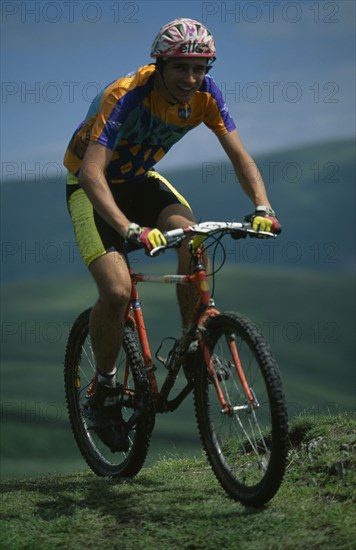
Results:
<point x="115" y="196"/>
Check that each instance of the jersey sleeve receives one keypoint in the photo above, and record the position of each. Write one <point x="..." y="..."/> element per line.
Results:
<point x="217" y="117"/>
<point x="109" y="119"/>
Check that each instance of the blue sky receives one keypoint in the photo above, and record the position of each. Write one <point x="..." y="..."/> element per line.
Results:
<point x="286" y="69"/>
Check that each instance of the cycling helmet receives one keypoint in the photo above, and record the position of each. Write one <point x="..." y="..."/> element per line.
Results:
<point x="184" y="38"/>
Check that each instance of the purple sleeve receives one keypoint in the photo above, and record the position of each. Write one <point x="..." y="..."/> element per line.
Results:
<point x="217" y="118"/>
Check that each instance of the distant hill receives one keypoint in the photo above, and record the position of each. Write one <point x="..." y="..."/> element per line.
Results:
<point x="311" y="188"/>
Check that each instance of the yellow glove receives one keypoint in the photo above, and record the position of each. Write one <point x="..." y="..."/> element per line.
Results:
<point x="259" y="223"/>
<point x="145" y="237"/>
<point x="264" y="219"/>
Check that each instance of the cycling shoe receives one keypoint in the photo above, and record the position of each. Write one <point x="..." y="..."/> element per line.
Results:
<point x="103" y="409"/>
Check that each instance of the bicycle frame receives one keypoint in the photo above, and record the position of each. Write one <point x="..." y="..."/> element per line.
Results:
<point x="204" y="308"/>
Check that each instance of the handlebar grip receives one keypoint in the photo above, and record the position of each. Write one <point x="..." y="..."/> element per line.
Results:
<point x="276" y="226"/>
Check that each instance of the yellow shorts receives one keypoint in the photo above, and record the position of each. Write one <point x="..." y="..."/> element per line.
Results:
<point x="141" y="200"/>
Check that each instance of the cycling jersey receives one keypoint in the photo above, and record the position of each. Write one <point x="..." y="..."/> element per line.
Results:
<point x="139" y="126"/>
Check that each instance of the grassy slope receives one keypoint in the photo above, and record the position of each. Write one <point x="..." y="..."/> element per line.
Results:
<point x="178" y="503"/>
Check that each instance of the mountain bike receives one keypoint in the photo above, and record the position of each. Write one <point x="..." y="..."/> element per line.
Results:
<point x="227" y="364"/>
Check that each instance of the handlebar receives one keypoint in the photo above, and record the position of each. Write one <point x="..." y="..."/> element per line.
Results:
<point x="239" y="230"/>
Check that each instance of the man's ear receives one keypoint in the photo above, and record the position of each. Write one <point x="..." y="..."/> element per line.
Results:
<point x="160" y="64"/>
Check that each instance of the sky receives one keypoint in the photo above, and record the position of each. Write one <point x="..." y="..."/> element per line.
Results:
<point x="286" y="70"/>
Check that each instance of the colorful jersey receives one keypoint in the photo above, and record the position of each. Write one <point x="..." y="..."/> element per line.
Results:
<point x="139" y="126"/>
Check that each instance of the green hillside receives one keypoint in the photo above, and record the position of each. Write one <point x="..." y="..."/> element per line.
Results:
<point x="307" y="316"/>
<point x="311" y="188"/>
<point x="178" y="504"/>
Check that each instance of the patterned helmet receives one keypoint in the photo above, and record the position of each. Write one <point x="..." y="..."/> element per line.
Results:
<point x="184" y="38"/>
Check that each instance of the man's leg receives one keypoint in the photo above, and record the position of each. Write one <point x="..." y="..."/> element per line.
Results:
<point x="107" y="318"/>
<point x="172" y="217"/>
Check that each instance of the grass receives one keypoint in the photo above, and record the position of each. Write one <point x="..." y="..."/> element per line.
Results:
<point x="178" y="504"/>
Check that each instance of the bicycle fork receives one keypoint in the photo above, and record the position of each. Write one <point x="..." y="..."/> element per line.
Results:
<point x="208" y="306"/>
<point x="229" y="408"/>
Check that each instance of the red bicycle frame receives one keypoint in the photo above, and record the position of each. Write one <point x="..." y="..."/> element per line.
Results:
<point x="204" y="309"/>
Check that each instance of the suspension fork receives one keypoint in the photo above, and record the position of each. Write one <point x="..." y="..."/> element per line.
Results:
<point x="135" y="305"/>
<point x="227" y="408"/>
<point x="239" y="369"/>
<point x="200" y="280"/>
<point x="206" y="303"/>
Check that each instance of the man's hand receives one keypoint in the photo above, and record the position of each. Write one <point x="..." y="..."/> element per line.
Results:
<point x="145" y="237"/>
<point x="264" y="219"/>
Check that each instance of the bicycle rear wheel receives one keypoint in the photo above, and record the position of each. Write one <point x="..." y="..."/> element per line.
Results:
<point x="137" y="408"/>
<point x="245" y="442"/>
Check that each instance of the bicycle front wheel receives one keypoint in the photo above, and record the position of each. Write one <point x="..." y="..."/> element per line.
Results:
<point x="79" y="372"/>
<point x="242" y="415"/>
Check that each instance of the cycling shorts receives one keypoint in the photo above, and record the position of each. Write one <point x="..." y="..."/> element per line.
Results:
<point x="141" y="200"/>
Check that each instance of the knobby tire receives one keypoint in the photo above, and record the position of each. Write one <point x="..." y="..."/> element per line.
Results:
<point x="79" y="369"/>
<point x="247" y="449"/>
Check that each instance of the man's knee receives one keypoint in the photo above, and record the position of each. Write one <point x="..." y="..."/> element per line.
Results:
<point x="113" y="281"/>
<point x="175" y="216"/>
<point x="115" y="297"/>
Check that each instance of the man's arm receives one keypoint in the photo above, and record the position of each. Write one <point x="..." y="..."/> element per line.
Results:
<point x="93" y="181"/>
<point x="264" y="218"/>
<point x="245" y="168"/>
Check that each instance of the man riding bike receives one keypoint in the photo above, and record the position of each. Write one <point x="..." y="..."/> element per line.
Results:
<point x="116" y="198"/>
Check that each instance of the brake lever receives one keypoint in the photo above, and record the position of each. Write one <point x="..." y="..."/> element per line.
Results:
<point x="157" y="250"/>
<point x="258" y="234"/>
<point x="175" y="243"/>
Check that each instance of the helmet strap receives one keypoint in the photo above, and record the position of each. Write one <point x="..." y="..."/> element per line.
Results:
<point x="209" y="65"/>
<point x="160" y="64"/>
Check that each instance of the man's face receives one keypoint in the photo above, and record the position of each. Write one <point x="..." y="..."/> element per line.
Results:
<point x="182" y="78"/>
